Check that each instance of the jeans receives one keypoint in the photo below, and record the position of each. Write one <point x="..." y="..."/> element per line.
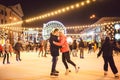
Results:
<point x="66" y="58"/>
<point x="110" y="60"/>
<point x="18" y="55"/>
<point x="81" y="52"/>
<point x="1" y="54"/>
<point x="6" y="54"/>
<point x="74" y="52"/>
<point x="54" y="62"/>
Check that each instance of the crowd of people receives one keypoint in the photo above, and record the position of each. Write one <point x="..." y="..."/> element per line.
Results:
<point x="8" y="50"/>
<point x="56" y="44"/>
<point x="58" y="40"/>
<point x="79" y="46"/>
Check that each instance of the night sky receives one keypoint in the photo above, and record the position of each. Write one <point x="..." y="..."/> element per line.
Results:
<point x="102" y="8"/>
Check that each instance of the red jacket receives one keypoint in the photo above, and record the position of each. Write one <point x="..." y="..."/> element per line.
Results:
<point x="63" y="43"/>
<point x="1" y="48"/>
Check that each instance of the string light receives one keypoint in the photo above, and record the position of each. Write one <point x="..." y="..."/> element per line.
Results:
<point x="82" y="27"/>
<point x="12" y="24"/>
<point x="77" y="5"/>
<point x="62" y="10"/>
<point x="58" y="12"/>
<point x="88" y="1"/>
<point x="82" y="3"/>
<point x="72" y="7"/>
<point x="52" y="13"/>
<point x="47" y="14"/>
<point x="94" y="25"/>
<point x="68" y="8"/>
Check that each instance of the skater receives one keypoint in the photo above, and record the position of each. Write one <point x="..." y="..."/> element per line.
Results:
<point x="11" y="49"/>
<point x="90" y="48"/>
<point x="65" y="52"/>
<point x="6" y="51"/>
<point x="107" y="52"/>
<point x="41" y="49"/>
<point x="45" y="47"/>
<point x="81" y="47"/>
<point x="70" y="46"/>
<point x="18" y="46"/>
<point x="54" y="50"/>
<point x="1" y="51"/>
<point x="74" y="48"/>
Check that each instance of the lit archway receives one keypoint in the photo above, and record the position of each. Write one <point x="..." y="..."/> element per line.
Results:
<point x="48" y="27"/>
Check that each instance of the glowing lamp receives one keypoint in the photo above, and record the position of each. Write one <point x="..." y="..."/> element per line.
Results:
<point x="117" y="26"/>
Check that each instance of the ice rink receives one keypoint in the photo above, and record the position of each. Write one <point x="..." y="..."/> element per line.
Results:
<point x="33" y="67"/>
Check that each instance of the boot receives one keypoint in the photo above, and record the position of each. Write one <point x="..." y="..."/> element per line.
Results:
<point x="105" y="73"/>
<point x="77" y="69"/>
<point x="53" y="74"/>
<point x="67" y="71"/>
<point x="116" y="75"/>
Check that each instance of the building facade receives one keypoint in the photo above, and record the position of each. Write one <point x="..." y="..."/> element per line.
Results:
<point x="9" y="15"/>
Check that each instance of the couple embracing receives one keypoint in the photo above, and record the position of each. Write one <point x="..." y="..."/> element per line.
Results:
<point x="59" y="41"/>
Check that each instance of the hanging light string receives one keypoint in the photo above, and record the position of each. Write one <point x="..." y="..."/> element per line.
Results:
<point x="93" y="25"/>
<point x="60" y="11"/>
<point x="11" y="24"/>
<point x="52" y="13"/>
<point x="84" y="26"/>
<point x="69" y="27"/>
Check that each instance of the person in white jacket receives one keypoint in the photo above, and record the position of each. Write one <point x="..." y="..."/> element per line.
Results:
<point x="6" y="48"/>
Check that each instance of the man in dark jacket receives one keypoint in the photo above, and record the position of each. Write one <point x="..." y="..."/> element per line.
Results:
<point x="74" y="48"/>
<point x="18" y="46"/>
<point x="107" y="52"/>
<point x="54" y="51"/>
<point x="81" y="47"/>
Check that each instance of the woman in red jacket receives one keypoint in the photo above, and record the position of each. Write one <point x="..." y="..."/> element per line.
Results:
<point x="65" y="52"/>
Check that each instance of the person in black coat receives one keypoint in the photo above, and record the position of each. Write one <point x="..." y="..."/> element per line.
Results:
<point x="74" y="48"/>
<point x="18" y="46"/>
<point x="107" y="52"/>
<point x="90" y="48"/>
<point x="54" y="51"/>
<point x="81" y="47"/>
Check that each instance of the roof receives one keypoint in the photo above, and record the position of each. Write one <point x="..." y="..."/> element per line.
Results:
<point x="107" y="19"/>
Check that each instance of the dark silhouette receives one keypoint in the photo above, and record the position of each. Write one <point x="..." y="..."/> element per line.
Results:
<point x="107" y="52"/>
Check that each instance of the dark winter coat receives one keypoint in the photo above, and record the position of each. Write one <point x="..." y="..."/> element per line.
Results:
<point x="107" y="49"/>
<point x="90" y="46"/>
<point x="81" y="44"/>
<point x="18" y="46"/>
<point x="74" y="45"/>
<point x="54" y="49"/>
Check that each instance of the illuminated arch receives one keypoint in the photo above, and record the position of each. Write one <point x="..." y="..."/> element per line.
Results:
<point x="48" y="27"/>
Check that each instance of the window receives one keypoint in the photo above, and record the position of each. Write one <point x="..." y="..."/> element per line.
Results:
<point x="5" y="13"/>
<point x="1" y="21"/>
<point x="5" y="21"/>
<point x="1" y="12"/>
